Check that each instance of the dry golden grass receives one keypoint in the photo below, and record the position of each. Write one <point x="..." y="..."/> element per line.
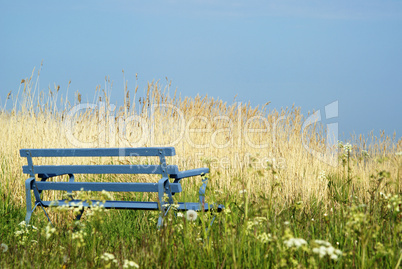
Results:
<point x="224" y="141"/>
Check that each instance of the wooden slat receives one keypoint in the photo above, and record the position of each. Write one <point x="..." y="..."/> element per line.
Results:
<point x="130" y="205"/>
<point x="108" y="204"/>
<point x="107" y="186"/>
<point x="98" y="152"/>
<point x="99" y="169"/>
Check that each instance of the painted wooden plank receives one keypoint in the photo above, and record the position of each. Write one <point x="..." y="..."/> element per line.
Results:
<point x="99" y="169"/>
<point x="100" y="186"/>
<point x="98" y="152"/>
<point x="127" y="205"/>
<point x="108" y="204"/>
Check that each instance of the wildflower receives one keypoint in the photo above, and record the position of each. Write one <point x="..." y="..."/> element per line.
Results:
<point x="179" y="215"/>
<point x="22" y="234"/>
<point x="128" y="264"/>
<point x="3" y="247"/>
<point x="398" y="153"/>
<point x="347" y="148"/>
<point x="107" y="257"/>
<point x="322" y="176"/>
<point x="227" y="211"/>
<point x="242" y="191"/>
<point x="250" y="226"/>
<point x="79" y="237"/>
<point x="191" y="215"/>
<point x="334" y="257"/>
<point x="326" y="249"/>
<point x="258" y="220"/>
<point x="365" y="154"/>
<point x="106" y="194"/>
<point x="264" y="237"/>
<point x="322" y="242"/>
<point x="179" y="227"/>
<point x="295" y="242"/>
<point x="286" y="223"/>
<point x="49" y="231"/>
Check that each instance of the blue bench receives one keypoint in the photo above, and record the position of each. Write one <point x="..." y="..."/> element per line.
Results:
<point x="167" y="185"/>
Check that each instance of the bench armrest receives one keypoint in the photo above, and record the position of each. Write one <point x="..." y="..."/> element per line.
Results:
<point x="189" y="173"/>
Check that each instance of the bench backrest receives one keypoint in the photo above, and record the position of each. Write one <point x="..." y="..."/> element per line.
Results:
<point x="46" y="171"/>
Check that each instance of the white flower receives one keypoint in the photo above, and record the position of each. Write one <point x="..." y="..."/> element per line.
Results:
<point x="49" y="231"/>
<point x="286" y="223"/>
<point x="322" y="242"/>
<point x="334" y="257"/>
<point x="242" y="191"/>
<point x="3" y="247"/>
<point x="128" y="264"/>
<point x="264" y="238"/>
<point x="107" y="256"/>
<point x="179" y="215"/>
<point x="191" y="215"/>
<point x="347" y="147"/>
<point x="330" y="250"/>
<point x="322" y="176"/>
<point x="326" y="249"/>
<point x="106" y="194"/>
<point x="295" y="242"/>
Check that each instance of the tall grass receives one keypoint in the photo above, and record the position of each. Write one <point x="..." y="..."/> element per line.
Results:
<point x="276" y="194"/>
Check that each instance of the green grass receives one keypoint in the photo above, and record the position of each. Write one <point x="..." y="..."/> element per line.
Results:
<point x="291" y="198"/>
<point x="253" y="232"/>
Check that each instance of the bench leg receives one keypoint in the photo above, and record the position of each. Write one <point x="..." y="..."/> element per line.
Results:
<point x="160" y="220"/>
<point x="69" y="193"/>
<point x="202" y="191"/>
<point x="38" y="201"/>
<point x="78" y="217"/>
<point x="45" y="213"/>
<point x="28" y="188"/>
<point x="163" y="187"/>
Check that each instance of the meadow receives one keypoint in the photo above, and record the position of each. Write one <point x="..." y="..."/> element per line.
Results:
<point x="284" y="207"/>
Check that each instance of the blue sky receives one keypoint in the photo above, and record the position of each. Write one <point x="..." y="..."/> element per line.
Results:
<point x="307" y="53"/>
